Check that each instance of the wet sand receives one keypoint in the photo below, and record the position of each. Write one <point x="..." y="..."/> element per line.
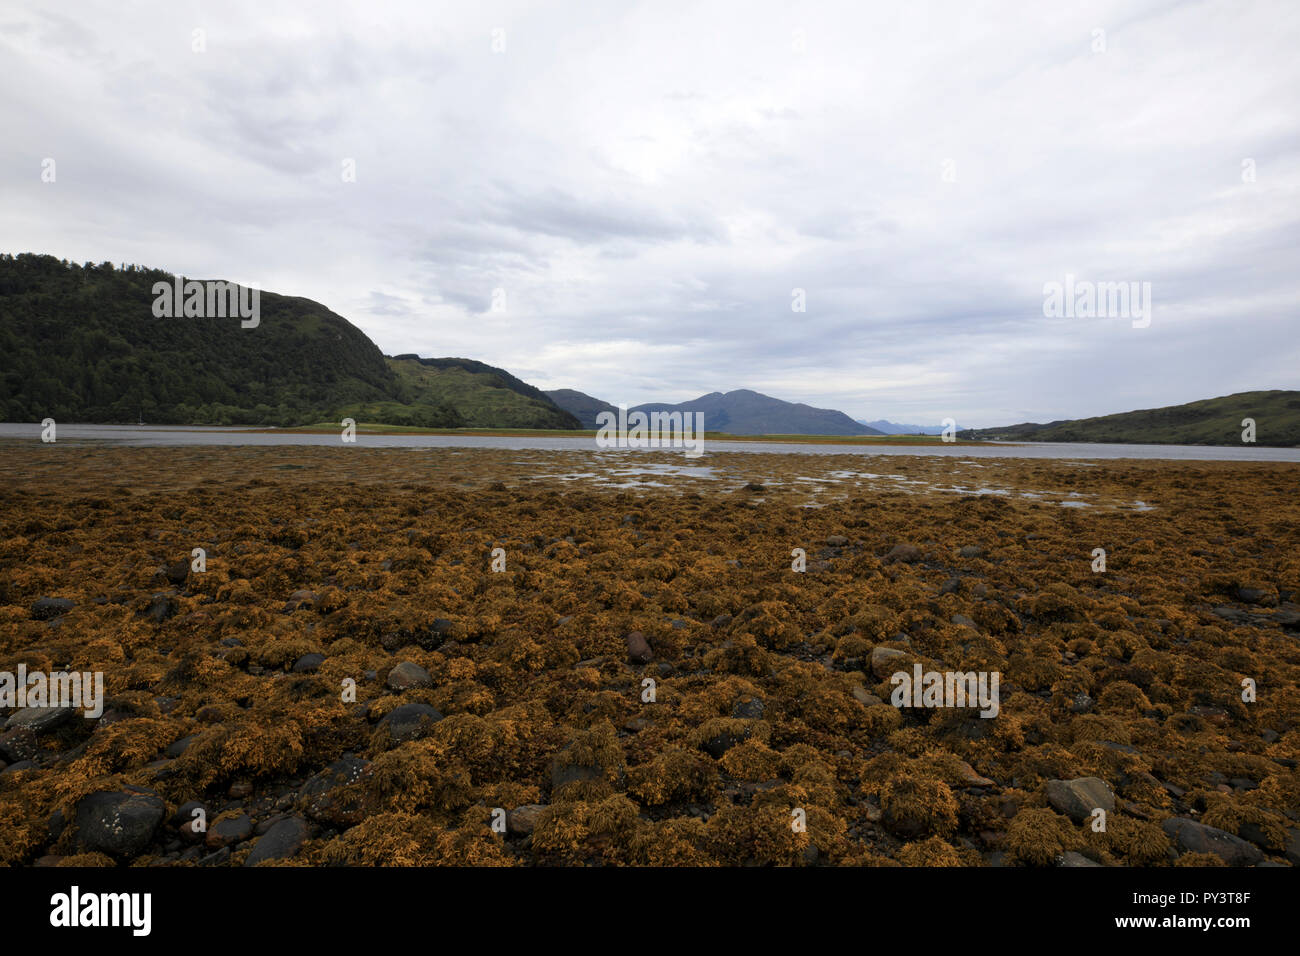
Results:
<point x="771" y="687"/>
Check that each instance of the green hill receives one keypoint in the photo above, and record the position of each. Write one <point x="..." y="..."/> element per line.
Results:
<point x="581" y="405"/>
<point x="483" y="396"/>
<point x="82" y="343"/>
<point x="1213" y="421"/>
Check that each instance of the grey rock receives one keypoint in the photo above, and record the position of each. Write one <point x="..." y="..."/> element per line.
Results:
<point x="1193" y="837"/>
<point x="280" y="842"/>
<point x="1072" y="859"/>
<point x="410" y="721"/>
<point x="308" y="663"/>
<point x="230" y="831"/>
<point x="47" y="607"/>
<point x="1077" y="798"/>
<point x="885" y="660"/>
<point x="408" y="675"/>
<point x="40" y="720"/>
<point x="118" y="823"/>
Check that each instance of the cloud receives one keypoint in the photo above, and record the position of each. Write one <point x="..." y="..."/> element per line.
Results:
<point x="647" y="186"/>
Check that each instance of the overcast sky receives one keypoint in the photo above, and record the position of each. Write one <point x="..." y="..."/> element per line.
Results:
<point x="648" y="183"/>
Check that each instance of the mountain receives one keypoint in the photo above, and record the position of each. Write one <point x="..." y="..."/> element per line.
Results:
<point x="893" y="428"/>
<point x="582" y="406"/>
<point x="740" y="412"/>
<point x="83" y="343"/>
<point x="1213" y="421"/>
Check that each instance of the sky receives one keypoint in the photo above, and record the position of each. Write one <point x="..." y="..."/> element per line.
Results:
<point x="634" y="199"/>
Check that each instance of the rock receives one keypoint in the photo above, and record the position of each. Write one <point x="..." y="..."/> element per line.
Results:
<point x="322" y="799"/>
<point x="962" y="620"/>
<point x="885" y="661"/>
<point x="969" y="778"/>
<point x="185" y="813"/>
<point x="229" y="831"/>
<point x="408" y="675"/>
<point x="1193" y="837"/>
<point x="302" y="599"/>
<point x="280" y="842"/>
<point x="1292" y="850"/>
<point x="1233" y="615"/>
<point x="755" y="487"/>
<point x="308" y="663"/>
<point x="749" y="708"/>
<point x="1070" y="859"/>
<point x="179" y="747"/>
<point x="47" y="607"/>
<point x="239" y="790"/>
<point x="177" y="573"/>
<point x="523" y="820"/>
<point x="1081" y="703"/>
<point x="118" y="823"/>
<point x="160" y="608"/>
<point x="719" y="744"/>
<point x="864" y="697"/>
<point x="1256" y="596"/>
<point x="410" y="721"/>
<point x="908" y="553"/>
<point x="1077" y="798"/>
<point x="837" y="541"/>
<point x="638" y="648"/>
<point x="216" y="859"/>
<point x="19" y="744"/>
<point x="1270" y="736"/>
<point x="951" y="586"/>
<point x="970" y="551"/>
<point x="39" y="720"/>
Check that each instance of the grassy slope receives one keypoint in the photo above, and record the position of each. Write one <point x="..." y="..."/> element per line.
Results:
<point x="481" y="399"/>
<point x="1214" y="421"/>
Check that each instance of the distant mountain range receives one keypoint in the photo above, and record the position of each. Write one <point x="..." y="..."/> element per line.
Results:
<point x="1213" y="421"/>
<point x="739" y="412"/>
<point x="893" y="428"/>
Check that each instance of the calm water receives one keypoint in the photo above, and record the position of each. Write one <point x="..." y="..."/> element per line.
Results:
<point x="189" y="435"/>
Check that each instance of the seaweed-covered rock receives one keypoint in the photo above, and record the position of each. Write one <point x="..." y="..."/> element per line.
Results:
<point x="119" y="823"/>
<point x="47" y="607"/>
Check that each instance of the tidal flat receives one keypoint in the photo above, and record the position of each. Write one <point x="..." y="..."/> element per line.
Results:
<point x="501" y="657"/>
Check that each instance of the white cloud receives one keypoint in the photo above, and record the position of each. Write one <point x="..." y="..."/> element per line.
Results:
<point x="648" y="183"/>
